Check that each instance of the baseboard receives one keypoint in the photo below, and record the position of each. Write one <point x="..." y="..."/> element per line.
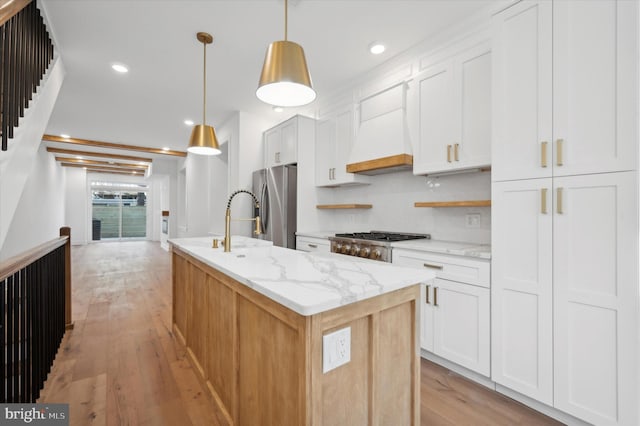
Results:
<point x="465" y="372"/>
<point x="554" y="413"/>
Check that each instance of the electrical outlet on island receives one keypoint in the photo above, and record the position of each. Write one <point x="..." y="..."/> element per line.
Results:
<point x="336" y="349"/>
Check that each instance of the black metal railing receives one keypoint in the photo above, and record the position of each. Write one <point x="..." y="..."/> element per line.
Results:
<point x="25" y="54"/>
<point x="34" y="313"/>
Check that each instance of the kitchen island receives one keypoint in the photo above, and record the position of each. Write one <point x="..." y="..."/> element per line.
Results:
<point x="253" y="322"/>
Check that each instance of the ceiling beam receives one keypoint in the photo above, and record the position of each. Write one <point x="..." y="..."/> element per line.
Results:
<point x="98" y="144"/>
<point x="105" y="169"/>
<point x="101" y="163"/>
<point x="98" y="154"/>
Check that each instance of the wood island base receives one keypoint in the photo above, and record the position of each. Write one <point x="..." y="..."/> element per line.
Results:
<point x="262" y="362"/>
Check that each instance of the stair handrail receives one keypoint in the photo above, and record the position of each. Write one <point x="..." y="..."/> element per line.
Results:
<point x="9" y="8"/>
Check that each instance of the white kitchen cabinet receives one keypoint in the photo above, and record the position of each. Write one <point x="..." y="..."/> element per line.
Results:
<point x="281" y="141"/>
<point x="522" y="287"/>
<point x="334" y="138"/>
<point x="565" y="75"/>
<point x="454" y="113"/>
<point x="564" y="206"/>
<point x="455" y="316"/>
<point x="595" y="297"/>
<point x="313" y="244"/>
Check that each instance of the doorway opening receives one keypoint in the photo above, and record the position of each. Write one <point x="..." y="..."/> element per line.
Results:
<point x="118" y="211"/>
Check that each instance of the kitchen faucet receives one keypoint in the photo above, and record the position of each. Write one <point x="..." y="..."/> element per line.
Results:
<point x="227" y="218"/>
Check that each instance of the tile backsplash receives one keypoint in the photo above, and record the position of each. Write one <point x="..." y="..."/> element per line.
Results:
<point x="393" y="196"/>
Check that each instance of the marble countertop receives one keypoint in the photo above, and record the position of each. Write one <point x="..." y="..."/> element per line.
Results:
<point x="482" y="251"/>
<point x="307" y="283"/>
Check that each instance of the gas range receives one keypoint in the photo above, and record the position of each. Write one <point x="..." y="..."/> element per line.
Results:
<point x="374" y="245"/>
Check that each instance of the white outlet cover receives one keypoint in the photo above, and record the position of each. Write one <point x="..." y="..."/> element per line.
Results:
<point x="473" y="220"/>
<point x="336" y="349"/>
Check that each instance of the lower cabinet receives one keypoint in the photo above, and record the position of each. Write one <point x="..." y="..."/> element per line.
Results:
<point x="454" y="315"/>
<point x="312" y="244"/>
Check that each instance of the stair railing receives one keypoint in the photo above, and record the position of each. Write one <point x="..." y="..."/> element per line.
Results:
<point x="25" y="54"/>
<point x="35" y="311"/>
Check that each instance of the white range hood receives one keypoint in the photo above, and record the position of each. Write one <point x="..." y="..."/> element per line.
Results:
<point x="382" y="143"/>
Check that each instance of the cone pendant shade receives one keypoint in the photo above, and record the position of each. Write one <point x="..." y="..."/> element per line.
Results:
<point x="203" y="140"/>
<point x="285" y="79"/>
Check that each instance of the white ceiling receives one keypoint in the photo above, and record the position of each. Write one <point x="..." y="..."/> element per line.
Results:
<point x="157" y="40"/>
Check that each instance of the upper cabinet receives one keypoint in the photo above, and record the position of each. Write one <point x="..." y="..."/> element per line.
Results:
<point x="564" y="89"/>
<point x="334" y="138"/>
<point x="453" y="105"/>
<point x="281" y="142"/>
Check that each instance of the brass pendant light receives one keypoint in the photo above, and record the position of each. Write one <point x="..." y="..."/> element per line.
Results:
<point x="203" y="138"/>
<point x="285" y="79"/>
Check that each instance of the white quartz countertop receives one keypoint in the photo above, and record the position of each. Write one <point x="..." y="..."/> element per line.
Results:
<point x="316" y="234"/>
<point x="307" y="283"/>
<point x="482" y="251"/>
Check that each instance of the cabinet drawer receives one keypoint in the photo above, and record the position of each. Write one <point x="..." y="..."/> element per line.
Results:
<point x="313" y="244"/>
<point x="455" y="268"/>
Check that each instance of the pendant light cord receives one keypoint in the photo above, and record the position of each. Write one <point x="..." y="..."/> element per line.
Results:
<point x="204" y="84"/>
<point x="285" y="19"/>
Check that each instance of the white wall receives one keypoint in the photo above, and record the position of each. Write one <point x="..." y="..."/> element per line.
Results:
<point x="77" y="204"/>
<point x="40" y="210"/>
<point x="18" y="162"/>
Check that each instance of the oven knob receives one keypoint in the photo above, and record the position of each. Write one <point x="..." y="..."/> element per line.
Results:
<point x="338" y="248"/>
<point x="345" y="249"/>
<point x="354" y="251"/>
<point x="376" y="254"/>
<point x="365" y="252"/>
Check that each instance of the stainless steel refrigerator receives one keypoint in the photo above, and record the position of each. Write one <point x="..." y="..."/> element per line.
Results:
<point x="276" y="189"/>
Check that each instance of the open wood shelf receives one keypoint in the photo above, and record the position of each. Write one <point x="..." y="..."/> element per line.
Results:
<point x="343" y="206"/>
<point x="470" y="203"/>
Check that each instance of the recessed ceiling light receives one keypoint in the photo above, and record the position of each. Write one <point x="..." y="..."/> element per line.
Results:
<point x="188" y="122"/>
<point x="78" y="157"/>
<point x="141" y="163"/>
<point x="120" y="68"/>
<point x="166" y="148"/>
<point x="376" y="48"/>
<point x="278" y="109"/>
<point x="64" y="135"/>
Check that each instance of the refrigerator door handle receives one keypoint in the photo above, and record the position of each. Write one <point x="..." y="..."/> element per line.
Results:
<point x="264" y="208"/>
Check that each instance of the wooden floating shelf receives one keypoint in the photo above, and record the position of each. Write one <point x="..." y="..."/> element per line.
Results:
<point x="343" y="206"/>
<point x="473" y="203"/>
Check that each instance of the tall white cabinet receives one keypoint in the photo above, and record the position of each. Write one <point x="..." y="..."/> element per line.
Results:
<point x="565" y="293"/>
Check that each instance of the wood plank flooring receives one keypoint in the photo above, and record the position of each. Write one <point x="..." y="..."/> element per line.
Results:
<point x="121" y="366"/>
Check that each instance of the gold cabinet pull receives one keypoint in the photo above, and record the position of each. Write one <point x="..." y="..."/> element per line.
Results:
<point x="543" y="201"/>
<point x="559" y="201"/>
<point x="455" y="151"/>
<point x="426" y="298"/>
<point x="429" y="265"/>
<point x="543" y="154"/>
<point x="559" y="143"/>
<point x="448" y="153"/>
<point x="435" y="296"/>
<point x="313" y="245"/>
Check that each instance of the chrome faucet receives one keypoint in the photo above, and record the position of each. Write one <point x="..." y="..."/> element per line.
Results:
<point x="227" y="218"/>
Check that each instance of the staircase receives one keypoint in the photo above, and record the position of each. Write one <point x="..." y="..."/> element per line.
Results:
<point x="25" y="54"/>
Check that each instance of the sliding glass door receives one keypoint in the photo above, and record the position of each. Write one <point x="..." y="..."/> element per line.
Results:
<point x="118" y="213"/>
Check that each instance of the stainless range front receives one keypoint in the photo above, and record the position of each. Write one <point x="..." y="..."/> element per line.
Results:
<point x="374" y="245"/>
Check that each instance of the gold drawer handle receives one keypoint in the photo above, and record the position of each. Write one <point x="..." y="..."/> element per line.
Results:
<point x="313" y="245"/>
<point x="559" y="143"/>
<point x="429" y="265"/>
<point x="435" y="296"/>
<point x="448" y="153"/>
<point x="543" y="154"/>
<point x="426" y="299"/>
<point x="455" y="151"/>
<point x="543" y="201"/>
<point x="559" y="201"/>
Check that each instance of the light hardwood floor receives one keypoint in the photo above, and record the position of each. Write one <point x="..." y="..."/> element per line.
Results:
<point x="121" y="366"/>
